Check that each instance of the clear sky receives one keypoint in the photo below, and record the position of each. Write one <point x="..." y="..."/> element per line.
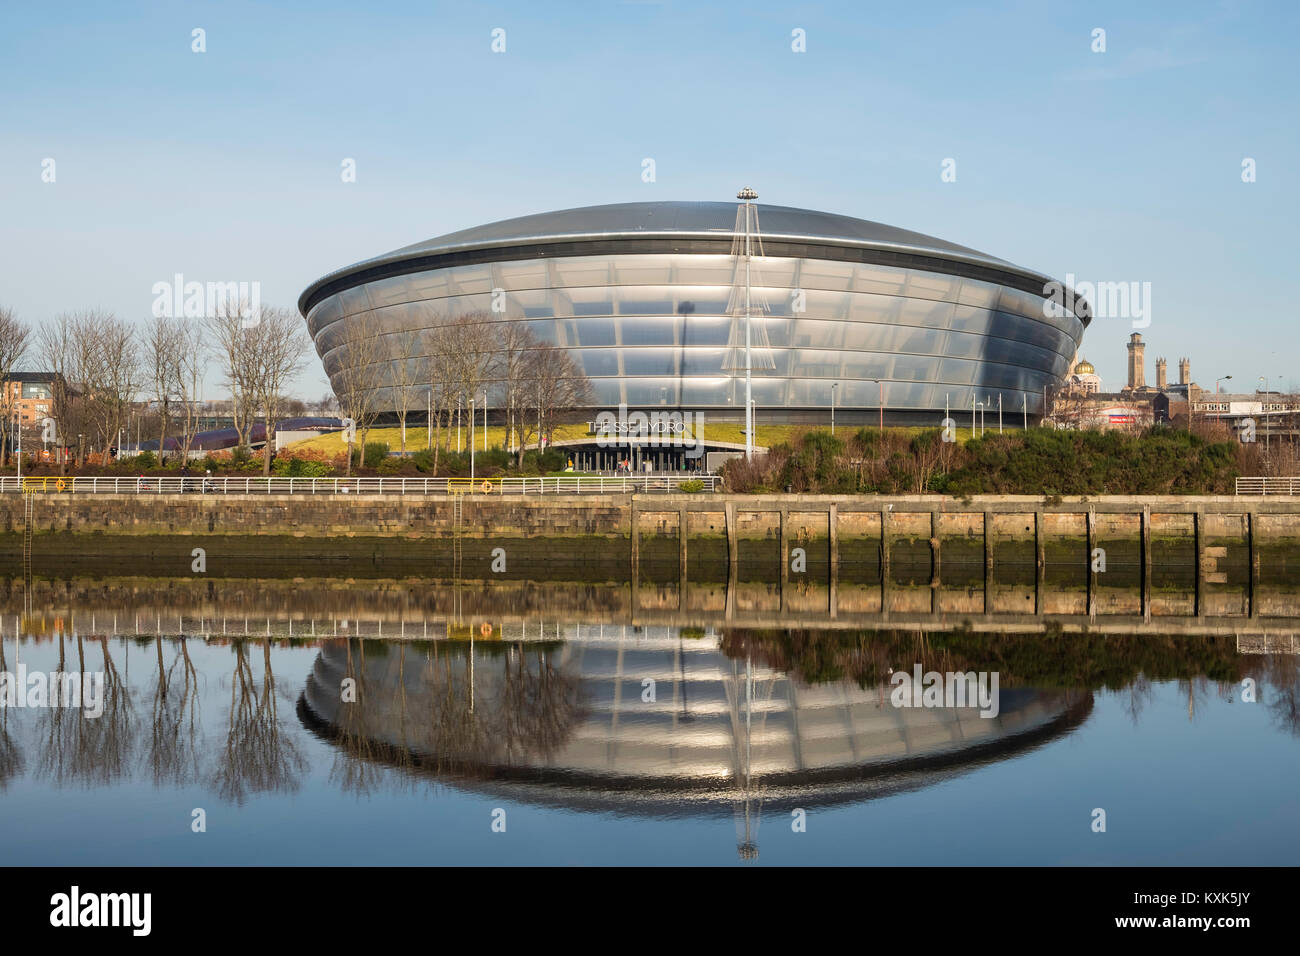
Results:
<point x="225" y="165"/>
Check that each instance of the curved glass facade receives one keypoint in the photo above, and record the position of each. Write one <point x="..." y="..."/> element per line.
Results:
<point x="651" y="329"/>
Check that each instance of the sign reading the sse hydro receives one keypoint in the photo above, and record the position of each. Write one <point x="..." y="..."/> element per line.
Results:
<point x="654" y="429"/>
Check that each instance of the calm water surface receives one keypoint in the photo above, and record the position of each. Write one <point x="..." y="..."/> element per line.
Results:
<point x="612" y="744"/>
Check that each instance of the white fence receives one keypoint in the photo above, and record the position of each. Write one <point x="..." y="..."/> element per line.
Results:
<point x="1268" y="486"/>
<point x="199" y="485"/>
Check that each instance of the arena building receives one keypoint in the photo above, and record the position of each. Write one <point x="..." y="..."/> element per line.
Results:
<point x="643" y="296"/>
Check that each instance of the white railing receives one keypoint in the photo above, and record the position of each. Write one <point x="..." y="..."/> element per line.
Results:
<point x="1268" y="486"/>
<point x="199" y="485"/>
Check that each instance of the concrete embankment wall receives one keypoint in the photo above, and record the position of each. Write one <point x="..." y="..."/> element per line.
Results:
<point x="908" y="517"/>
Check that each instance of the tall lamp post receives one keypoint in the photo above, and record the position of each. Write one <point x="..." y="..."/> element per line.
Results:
<point x="833" y="385"/>
<point x="881" y="383"/>
<point x="471" y="439"/>
<point x="1264" y="406"/>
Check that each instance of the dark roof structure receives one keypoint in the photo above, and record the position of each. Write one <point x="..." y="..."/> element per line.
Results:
<point x="705" y="227"/>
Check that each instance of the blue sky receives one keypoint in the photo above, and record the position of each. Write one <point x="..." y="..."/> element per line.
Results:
<point x="1115" y="166"/>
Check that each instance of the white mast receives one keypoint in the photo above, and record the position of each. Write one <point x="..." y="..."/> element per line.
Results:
<point x="748" y="194"/>
<point x="741" y="307"/>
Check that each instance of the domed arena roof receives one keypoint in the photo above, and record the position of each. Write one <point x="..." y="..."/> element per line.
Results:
<point x="705" y="226"/>
<point x="690" y="218"/>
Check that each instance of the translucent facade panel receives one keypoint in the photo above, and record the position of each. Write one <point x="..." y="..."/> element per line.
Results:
<point x="701" y="330"/>
<point x="593" y="332"/>
<point x="630" y="303"/>
<point x="354" y="301"/>
<point x="823" y="274"/>
<point x="930" y="285"/>
<point x="584" y="271"/>
<point x="518" y="276"/>
<point x="651" y="330"/>
<point x="392" y="291"/>
<point x="882" y="280"/>
<point x="702" y="362"/>
<point x="595" y="362"/>
<point x="773" y="271"/>
<point x="702" y="300"/>
<point x="468" y="280"/>
<point x="957" y="372"/>
<point x="1021" y="303"/>
<point x="650" y="362"/>
<point x="704" y="270"/>
<point x="643" y="270"/>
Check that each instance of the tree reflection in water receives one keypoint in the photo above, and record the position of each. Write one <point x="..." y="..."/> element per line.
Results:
<point x="174" y="741"/>
<point x="258" y="756"/>
<point x="89" y="750"/>
<point x="11" y="757"/>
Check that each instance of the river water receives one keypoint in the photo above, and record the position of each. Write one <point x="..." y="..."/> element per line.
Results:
<point x="306" y="722"/>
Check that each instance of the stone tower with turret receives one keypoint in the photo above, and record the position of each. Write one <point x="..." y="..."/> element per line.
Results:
<point x="1162" y="377"/>
<point x="1136" y="363"/>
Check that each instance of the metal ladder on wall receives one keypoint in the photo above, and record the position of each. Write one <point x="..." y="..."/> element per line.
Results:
<point x="457" y="515"/>
<point x="457" y="551"/>
<point x="29" y="525"/>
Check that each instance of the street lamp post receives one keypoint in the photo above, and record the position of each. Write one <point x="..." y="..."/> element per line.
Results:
<point x="833" y="384"/>
<point x="471" y="439"/>
<point x="881" y="383"/>
<point x="1264" y="407"/>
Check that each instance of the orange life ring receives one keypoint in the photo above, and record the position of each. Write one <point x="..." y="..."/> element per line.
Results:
<point x="61" y="485"/>
<point x="485" y="629"/>
<point x="486" y="487"/>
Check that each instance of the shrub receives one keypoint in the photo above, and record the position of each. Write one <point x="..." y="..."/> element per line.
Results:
<point x="146" y="459"/>
<point x="692" y="486"/>
<point x="299" y="468"/>
<point x="376" y="452"/>
<point x="423" y="460"/>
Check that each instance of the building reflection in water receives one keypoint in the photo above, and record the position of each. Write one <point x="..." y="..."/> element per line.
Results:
<point x="648" y="721"/>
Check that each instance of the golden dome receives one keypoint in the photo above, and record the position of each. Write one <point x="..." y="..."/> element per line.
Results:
<point x="1084" y="368"/>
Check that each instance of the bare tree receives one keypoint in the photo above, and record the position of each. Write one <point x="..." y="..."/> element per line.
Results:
<point x="161" y="344"/>
<point x="555" y="384"/>
<point x="407" y="375"/>
<point x="473" y="343"/>
<point x="55" y="344"/>
<point x="14" y="339"/>
<point x="358" y="379"/>
<point x="441" y="347"/>
<point x="231" y="330"/>
<point x="516" y="342"/>
<point x="191" y="362"/>
<point x="279" y="344"/>
<point x="105" y="359"/>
